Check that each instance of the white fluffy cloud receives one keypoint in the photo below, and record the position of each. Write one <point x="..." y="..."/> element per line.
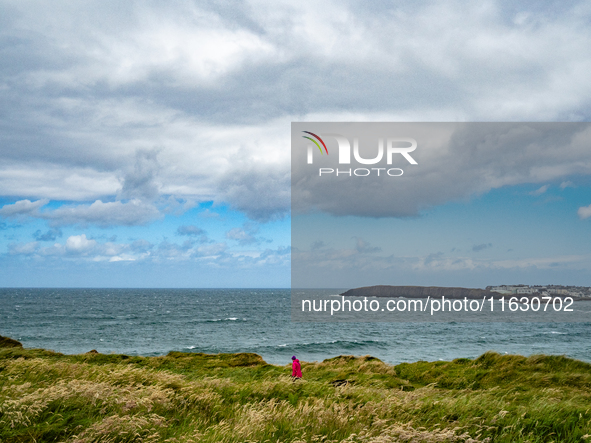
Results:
<point x="584" y="212"/>
<point x="22" y="208"/>
<point x="240" y="235"/>
<point x="134" y="212"/>
<point x="103" y="214"/>
<point x="79" y="244"/>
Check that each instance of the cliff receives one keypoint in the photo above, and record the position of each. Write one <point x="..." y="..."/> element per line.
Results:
<point x="6" y="342"/>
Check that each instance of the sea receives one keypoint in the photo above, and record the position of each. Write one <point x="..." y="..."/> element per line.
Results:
<point x="152" y="322"/>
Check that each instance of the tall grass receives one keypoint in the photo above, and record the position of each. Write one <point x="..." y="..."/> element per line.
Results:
<point x="49" y="397"/>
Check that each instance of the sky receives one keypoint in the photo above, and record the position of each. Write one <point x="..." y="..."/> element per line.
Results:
<point x="147" y="144"/>
<point x="475" y="204"/>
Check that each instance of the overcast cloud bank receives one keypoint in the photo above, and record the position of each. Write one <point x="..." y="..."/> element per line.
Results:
<point x="139" y="100"/>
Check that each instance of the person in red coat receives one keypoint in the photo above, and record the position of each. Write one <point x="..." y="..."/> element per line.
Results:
<point x="296" y="369"/>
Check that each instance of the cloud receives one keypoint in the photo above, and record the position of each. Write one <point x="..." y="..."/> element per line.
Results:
<point x="50" y="235"/>
<point x="478" y="248"/>
<point x="141" y="182"/>
<point x="364" y="247"/>
<point x="539" y="191"/>
<point x="170" y="250"/>
<point x="90" y="90"/>
<point x="262" y="193"/>
<point x="79" y="244"/>
<point x="567" y="184"/>
<point x="179" y="57"/>
<point x="23" y="248"/>
<point x="584" y="212"/>
<point x="194" y="232"/>
<point x="211" y="251"/>
<point x="279" y="256"/>
<point x="456" y="161"/>
<point x="241" y="236"/>
<point x="318" y="244"/>
<point x="246" y="235"/>
<point x="175" y="206"/>
<point x="102" y="214"/>
<point x="56" y="180"/>
<point x="22" y="208"/>
<point x="433" y="258"/>
<point x="79" y="249"/>
<point x="132" y="213"/>
<point x="190" y="230"/>
<point x="141" y="246"/>
<point x="346" y="268"/>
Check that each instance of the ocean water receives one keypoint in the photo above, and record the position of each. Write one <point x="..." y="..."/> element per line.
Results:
<point x="153" y="322"/>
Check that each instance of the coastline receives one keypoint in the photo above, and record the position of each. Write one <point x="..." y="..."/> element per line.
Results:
<point x="154" y="322"/>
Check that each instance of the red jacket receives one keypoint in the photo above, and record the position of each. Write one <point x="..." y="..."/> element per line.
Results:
<point x="296" y="369"/>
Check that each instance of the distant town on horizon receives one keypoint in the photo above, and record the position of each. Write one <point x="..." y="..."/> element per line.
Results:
<point x="574" y="291"/>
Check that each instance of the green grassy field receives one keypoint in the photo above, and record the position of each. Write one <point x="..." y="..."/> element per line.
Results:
<point x="50" y="397"/>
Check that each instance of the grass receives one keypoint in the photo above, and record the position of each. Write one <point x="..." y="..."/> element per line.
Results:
<point x="50" y="397"/>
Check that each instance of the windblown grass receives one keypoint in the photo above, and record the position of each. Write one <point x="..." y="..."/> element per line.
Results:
<point x="50" y="397"/>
